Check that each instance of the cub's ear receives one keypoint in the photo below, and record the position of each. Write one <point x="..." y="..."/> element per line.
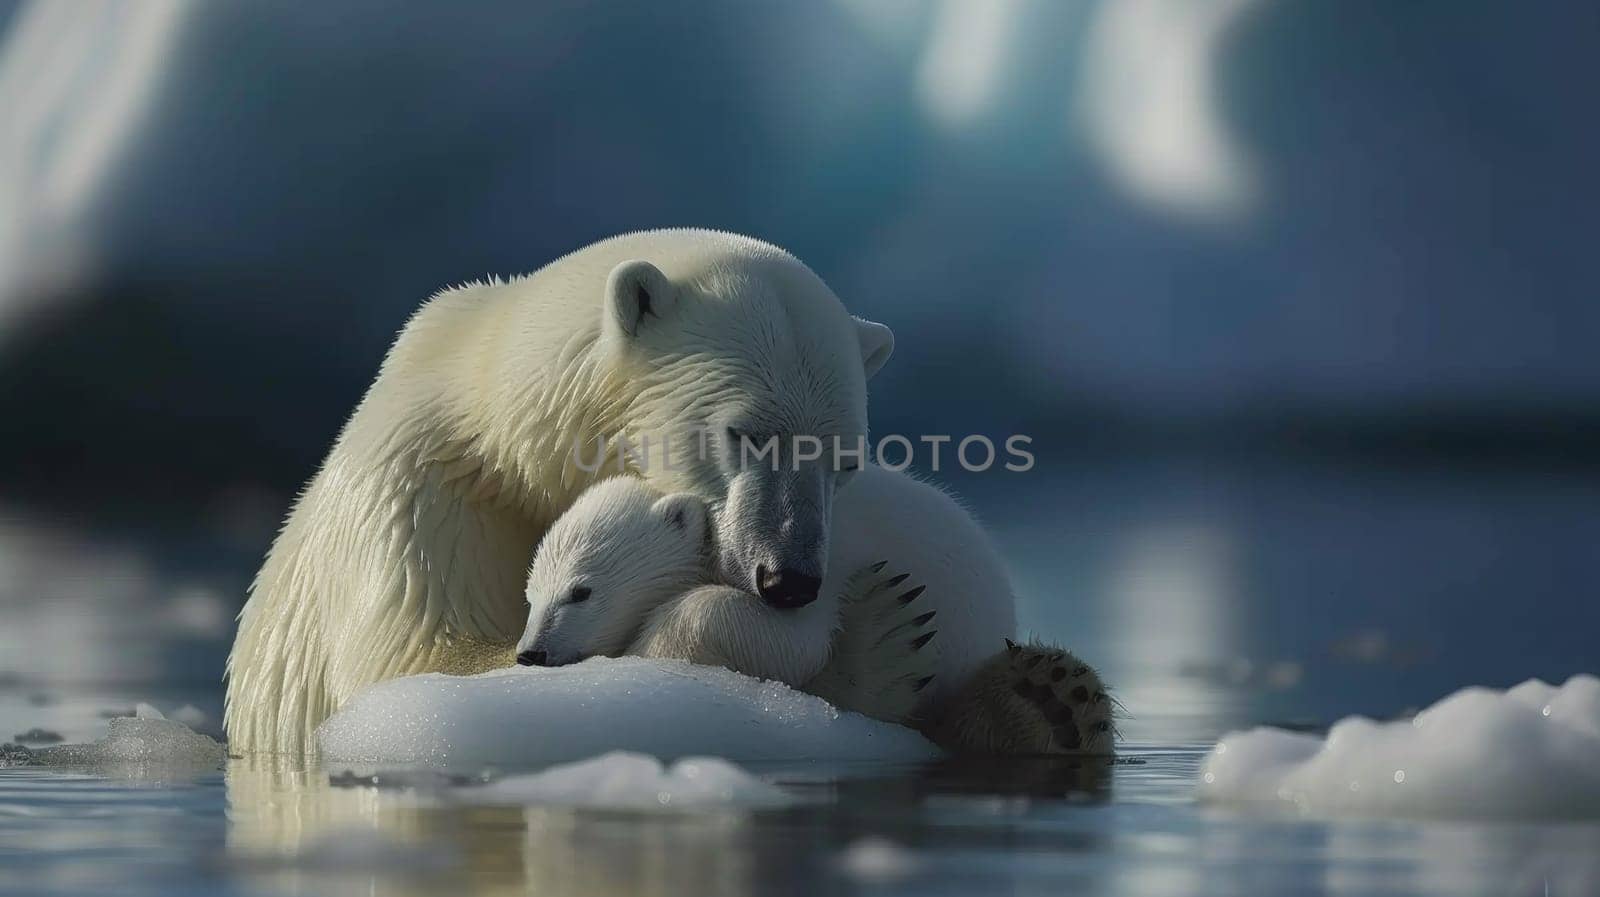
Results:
<point x="877" y="344"/>
<point x="685" y="512"/>
<point x="635" y="292"/>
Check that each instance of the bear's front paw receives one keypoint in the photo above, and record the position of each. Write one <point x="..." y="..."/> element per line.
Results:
<point x="885" y="654"/>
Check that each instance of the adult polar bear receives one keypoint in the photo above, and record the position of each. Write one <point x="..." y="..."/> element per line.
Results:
<point x="407" y="551"/>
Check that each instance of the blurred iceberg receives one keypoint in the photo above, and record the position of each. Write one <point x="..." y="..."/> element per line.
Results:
<point x="1151" y="100"/>
<point x="76" y="81"/>
<point x="229" y="209"/>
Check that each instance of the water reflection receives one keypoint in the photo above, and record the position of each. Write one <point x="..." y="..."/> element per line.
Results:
<point x="1465" y="858"/>
<point x="1173" y="593"/>
<point x="296" y="830"/>
<point x="291" y="829"/>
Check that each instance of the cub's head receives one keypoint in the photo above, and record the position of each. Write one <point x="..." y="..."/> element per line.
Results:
<point x="616" y="554"/>
<point x="748" y="379"/>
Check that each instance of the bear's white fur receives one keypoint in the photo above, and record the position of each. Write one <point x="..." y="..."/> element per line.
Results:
<point x="922" y="531"/>
<point x="407" y="551"/>
<point x="634" y="556"/>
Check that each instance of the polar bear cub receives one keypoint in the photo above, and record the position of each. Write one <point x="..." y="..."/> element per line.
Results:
<point x="618" y="553"/>
<point x="623" y="572"/>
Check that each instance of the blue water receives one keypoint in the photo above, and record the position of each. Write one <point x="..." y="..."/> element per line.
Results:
<point x="1211" y="598"/>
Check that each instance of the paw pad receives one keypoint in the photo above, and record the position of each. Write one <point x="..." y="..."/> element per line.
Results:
<point x="1061" y="705"/>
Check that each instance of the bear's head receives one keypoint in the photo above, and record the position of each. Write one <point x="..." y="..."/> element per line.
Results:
<point x="620" y="551"/>
<point x="747" y="384"/>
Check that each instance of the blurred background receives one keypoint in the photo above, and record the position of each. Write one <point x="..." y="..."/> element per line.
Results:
<point x="1298" y="300"/>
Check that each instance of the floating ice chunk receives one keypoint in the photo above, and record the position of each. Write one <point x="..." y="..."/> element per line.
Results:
<point x="144" y="740"/>
<point x="622" y="780"/>
<point x="1531" y="751"/>
<point x="156" y="741"/>
<point x="536" y="716"/>
<point x="15" y="755"/>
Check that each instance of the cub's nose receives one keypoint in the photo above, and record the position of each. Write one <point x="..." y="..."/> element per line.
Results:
<point x="786" y="589"/>
<point x="531" y="659"/>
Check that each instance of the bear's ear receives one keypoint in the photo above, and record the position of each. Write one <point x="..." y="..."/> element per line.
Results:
<point x="685" y="512"/>
<point x="636" y="291"/>
<point x="877" y="344"/>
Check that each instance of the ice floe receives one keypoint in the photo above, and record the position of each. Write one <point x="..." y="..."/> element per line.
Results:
<point x="146" y="739"/>
<point x="1532" y="751"/>
<point x="535" y="717"/>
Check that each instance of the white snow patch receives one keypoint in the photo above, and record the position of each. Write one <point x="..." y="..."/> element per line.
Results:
<point x="623" y="780"/>
<point x="534" y="716"/>
<point x="1530" y="752"/>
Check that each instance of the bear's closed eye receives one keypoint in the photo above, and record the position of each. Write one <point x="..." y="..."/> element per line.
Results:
<point x="578" y="593"/>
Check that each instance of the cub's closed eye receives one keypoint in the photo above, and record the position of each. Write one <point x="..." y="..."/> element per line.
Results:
<point x="578" y="593"/>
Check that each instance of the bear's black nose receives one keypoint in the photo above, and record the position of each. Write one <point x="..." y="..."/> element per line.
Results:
<point x="785" y="589"/>
<point x="531" y="658"/>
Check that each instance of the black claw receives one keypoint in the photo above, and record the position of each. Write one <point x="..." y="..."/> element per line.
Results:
<point x="922" y="683"/>
<point x="1099" y="697"/>
<point x="1103" y="726"/>
<point x="1011" y="647"/>
<point x="924" y="618"/>
<point x="919" y="641"/>
<point x="912" y="595"/>
<point x="879" y="566"/>
<point x="896" y="580"/>
<point x="1080" y="671"/>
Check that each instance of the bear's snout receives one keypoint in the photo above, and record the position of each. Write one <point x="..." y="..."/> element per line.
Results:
<point x="786" y="589"/>
<point x="532" y="658"/>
